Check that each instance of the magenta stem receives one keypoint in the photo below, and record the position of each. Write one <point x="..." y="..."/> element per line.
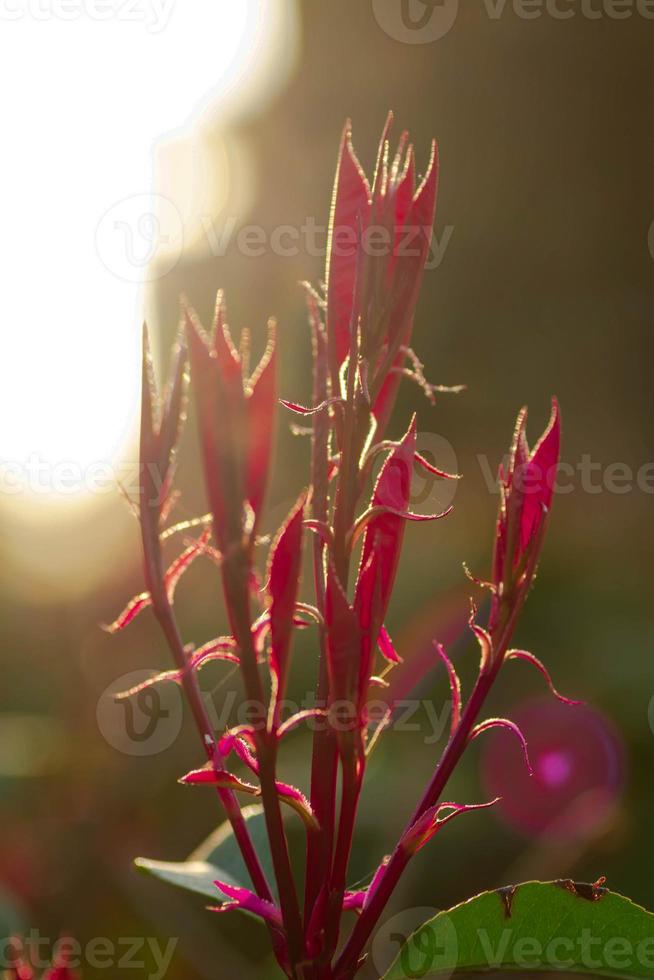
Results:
<point x="347" y="963"/>
<point x="512" y="604"/>
<point x="324" y="763"/>
<point x="236" y="586"/>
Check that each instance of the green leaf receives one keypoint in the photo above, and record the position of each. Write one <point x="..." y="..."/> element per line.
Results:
<point x="551" y="926"/>
<point x="218" y="857"/>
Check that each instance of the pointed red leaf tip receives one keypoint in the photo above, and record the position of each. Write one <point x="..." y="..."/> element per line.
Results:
<point x="283" y="585"/>
<point x="235" y="416"/>
<point x="510" y="726"/>
<point x="483" y="637"/>
<point x="220" y="649"/>
<point x="359" y="900"/>
<point x="526" y="489"/>
<point x="387" y="647"/>
<point x="384" y="534"/>
<point x="208" y="776"/>
<point x="431" y="822"/>
<point x="540" y="478"/>
<point x="396" y="206"/>
<point x="535" y="662"/>
<point x="170" y="582"/>
<point x="455" y="686"/>
<point x="350" y="210"/>
<point x="261" y="392"/>
<point x="244" y="899"/>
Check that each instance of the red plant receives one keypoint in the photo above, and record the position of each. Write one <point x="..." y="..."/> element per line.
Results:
<point x="361" y="333"/>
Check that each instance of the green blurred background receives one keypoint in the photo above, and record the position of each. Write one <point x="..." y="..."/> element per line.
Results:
<point x="545" y="285"/>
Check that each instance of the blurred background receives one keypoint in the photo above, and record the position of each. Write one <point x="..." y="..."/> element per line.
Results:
<point x="160" y="149"/>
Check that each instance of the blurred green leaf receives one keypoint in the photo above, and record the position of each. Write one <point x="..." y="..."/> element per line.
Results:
<point x="549" y="926"/>
<point x="218" y="857"/>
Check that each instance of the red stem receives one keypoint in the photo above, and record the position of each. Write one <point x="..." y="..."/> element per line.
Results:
<point x="512" y="602"/>
<point x="235" y="580"/>
<point x="166" y="618"/>
<point x="324" y="764"/>
<point x="352" y="782"/>
<point x="347" y="963"/>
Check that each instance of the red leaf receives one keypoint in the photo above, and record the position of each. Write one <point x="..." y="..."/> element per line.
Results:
<point x="283" y="585"/>
<point x="539" y="478"/>
<point x="510" y="726"/>
<point x="183" y="561"/>
<point x="224" y="780"/>
<point x="298" y="801"/>
<point x="350" y="209"/>
<point x="130" y="612"/>
<point x="384" y="534"/>
<point x="221" y="419"/>
<point x="304" y="410"/>
<point x="455" y="686"/>
<point x="216" y="650"/>
<point x="431" y="822"/>
<point x="170" y="581"/>
<point x="535" y="662"/>
<point x="387" y="648"/>
<point x="260" y="405"/>
<point x="243" y="898"/>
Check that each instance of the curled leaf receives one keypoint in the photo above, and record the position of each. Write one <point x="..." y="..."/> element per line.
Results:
<point x="171" y="580"/>
<point x="130" y="612"/>
<point x="510" y="726"/>
<point x="535" y="662"/>
<point x="455" y="686"/>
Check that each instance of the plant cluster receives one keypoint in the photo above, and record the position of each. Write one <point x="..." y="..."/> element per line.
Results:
<point x="361" y="325"/>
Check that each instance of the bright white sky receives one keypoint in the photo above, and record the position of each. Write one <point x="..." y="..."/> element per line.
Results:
<point x="89" y="89"/>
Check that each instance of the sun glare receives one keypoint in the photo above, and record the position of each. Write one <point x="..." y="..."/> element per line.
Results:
<point x="92" y="217"/>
